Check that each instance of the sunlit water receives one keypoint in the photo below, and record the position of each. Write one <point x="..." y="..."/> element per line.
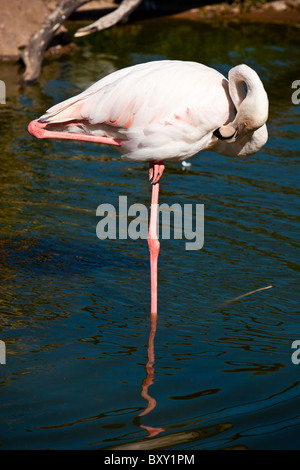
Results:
<point x="81" y="367"/>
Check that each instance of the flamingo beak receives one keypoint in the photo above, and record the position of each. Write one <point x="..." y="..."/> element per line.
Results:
<point x="228" y="133"/>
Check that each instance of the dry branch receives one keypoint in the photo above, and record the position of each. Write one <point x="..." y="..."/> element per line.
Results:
<point x="33" y="54"/>
<point x="107" y="21"/>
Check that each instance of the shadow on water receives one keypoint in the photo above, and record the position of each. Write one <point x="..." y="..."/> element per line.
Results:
<point x="50" y="256"/>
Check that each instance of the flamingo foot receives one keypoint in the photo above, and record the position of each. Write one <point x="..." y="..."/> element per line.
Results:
<point x="155" y="172"/>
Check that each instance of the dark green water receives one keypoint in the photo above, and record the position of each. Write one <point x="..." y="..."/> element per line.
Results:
<point x="75" y="309"/>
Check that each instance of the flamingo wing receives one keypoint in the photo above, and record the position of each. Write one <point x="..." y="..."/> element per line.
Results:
<point x="162" y="110"/>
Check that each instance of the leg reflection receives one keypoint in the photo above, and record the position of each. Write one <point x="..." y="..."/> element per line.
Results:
<point x="148" y="380"/>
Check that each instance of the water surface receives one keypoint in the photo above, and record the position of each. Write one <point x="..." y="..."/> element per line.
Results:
<point x="83" y="369"/>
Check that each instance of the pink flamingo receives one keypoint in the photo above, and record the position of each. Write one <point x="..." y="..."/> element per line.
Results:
<point x="164" y="111"/>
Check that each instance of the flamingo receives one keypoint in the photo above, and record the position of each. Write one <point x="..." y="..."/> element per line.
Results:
<point x="160" y="111"/>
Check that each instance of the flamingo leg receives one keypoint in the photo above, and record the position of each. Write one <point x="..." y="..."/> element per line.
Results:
<point x="155" y="173"/>
<point x="38" y="130"/>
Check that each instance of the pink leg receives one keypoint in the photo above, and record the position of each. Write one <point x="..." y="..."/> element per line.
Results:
<point x="38" y="130"/>
<point x="155" y="172"/>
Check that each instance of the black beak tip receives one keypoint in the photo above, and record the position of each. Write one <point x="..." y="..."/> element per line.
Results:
<point x="218" y="134"/>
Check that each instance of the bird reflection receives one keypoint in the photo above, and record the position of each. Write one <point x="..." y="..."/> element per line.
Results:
<point x="148" y="380"/>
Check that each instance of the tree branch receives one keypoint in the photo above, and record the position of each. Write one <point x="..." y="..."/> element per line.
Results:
<point x="33" y="54"/>
<point x="107" y="21"/>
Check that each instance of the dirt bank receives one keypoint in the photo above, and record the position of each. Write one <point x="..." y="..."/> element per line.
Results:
<point x="277" y="12"/>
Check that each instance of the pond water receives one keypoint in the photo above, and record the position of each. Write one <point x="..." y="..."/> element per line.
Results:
<point x="85" y="366"/>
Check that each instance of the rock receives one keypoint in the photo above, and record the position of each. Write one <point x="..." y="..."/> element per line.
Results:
<point x="18" y="21"/>
<point x="293" y="3"/>
<point x="278" y="6"/>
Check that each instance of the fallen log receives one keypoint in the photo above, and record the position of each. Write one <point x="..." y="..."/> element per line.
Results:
<point x="121" y="14"/>
<point x="33" y="53"/>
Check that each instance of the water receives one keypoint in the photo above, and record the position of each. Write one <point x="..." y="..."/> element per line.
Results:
<point x="83" y="369"/>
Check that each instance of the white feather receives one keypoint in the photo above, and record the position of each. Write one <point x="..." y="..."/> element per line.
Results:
<point x="161" y="110"/>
